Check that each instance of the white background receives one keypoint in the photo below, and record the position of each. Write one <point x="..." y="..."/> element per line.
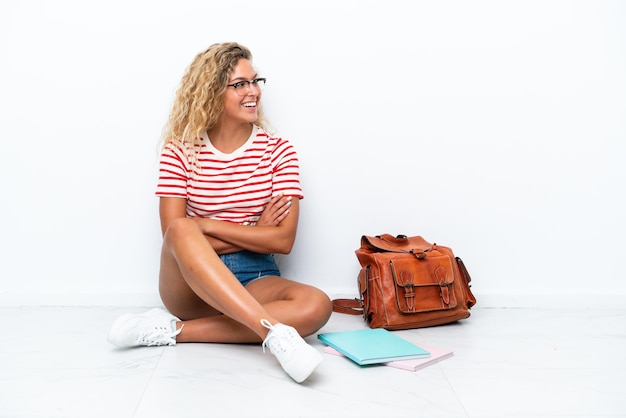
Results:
<point x="494" y="127"/>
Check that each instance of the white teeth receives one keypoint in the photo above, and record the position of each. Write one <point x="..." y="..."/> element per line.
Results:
<point x="250" y="104"/>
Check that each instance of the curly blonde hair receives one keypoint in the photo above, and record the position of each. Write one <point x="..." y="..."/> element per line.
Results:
<point x="199" y="100"/>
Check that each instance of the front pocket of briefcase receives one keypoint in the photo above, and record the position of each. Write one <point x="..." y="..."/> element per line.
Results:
<point x="423" y="285"/>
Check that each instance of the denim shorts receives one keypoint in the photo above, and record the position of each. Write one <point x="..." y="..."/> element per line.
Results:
<point x="248" y="266"/>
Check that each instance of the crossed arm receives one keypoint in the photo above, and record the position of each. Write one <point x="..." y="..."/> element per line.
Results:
<point x="274" y="232"/>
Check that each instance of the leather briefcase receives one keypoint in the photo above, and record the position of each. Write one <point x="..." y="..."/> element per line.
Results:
<point x="407" y="282"/>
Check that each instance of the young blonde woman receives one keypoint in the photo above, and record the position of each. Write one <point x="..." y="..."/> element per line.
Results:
<point x="229" y="196"/>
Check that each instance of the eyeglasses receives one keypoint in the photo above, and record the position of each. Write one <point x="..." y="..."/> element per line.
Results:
<point x="243" y="87"/>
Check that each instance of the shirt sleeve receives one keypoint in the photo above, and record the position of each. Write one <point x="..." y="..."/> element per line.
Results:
<point x="286" y="170"/>
<point x="173" y="173"/>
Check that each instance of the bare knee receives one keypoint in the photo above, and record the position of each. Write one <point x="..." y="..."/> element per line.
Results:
<point x="315" y="311"/>
<point x="180" y="228"/>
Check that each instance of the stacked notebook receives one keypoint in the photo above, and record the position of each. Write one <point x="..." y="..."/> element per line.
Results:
<point x="379" y="346"/>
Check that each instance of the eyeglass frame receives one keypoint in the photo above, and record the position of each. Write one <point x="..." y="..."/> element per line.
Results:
<point x="248" y="84"/>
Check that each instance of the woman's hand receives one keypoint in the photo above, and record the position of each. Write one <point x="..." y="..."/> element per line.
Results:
<point x="276" y="211"/>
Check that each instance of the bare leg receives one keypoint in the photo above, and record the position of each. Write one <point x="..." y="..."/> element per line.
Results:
<point x="304" y="307"/>
<point x="197" y="287"/>
<point x="189" y="266"/>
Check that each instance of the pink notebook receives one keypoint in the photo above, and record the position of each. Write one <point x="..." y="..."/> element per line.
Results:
<point x="436" y="355"/>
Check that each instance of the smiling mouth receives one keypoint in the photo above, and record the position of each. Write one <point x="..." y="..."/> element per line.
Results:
<point x="249" y="104"/>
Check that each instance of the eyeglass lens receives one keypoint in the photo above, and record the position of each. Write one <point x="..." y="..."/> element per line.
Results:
<point x="243" y="87"/>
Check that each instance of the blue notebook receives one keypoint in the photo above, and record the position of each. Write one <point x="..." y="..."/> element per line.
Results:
<point x="372" y="346"/>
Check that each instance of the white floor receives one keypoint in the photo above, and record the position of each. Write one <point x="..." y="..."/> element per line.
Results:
<point x="55" y="362"/>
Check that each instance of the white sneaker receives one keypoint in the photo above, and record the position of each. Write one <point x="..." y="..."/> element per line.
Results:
<point x="155" y="327"/>
<point x="296" y="357"/>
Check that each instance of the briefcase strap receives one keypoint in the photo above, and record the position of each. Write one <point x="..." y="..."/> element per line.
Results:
<point x="348" y="306"/>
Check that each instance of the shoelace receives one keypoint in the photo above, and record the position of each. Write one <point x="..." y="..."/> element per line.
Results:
<point x="269" y="326"/>
<point x="275" y="342"/>
<point x="160" y="336"/>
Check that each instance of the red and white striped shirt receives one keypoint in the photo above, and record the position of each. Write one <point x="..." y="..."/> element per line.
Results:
<point x="232" y="187"/>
